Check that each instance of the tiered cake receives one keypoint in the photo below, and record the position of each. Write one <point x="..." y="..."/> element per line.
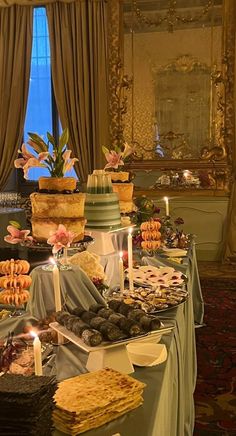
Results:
<point x="124" y="188"/>
<point x="102" y="210"/>
<point x="59" y="204"/>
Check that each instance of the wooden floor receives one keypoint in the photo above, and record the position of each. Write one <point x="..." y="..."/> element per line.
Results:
<point x="216" y="269"/>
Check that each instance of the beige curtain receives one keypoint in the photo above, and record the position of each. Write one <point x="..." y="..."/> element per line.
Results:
<point x="78" y="38"/>
<point x="15" y="54"/>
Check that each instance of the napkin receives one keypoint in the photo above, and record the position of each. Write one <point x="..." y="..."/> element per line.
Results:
<point x="146" y="354"/>
<point x="175" y="252"/>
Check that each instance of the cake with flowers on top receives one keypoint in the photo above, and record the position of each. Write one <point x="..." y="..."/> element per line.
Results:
<point x="57" y="201"/>
<point x="121" y="182"/>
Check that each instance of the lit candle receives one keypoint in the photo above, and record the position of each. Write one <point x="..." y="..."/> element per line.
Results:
<point x="38" y="369"/>
<point x="130" y="260"/>
<point x="166" y="200"/>
<point x="121" y="272"/>
<point x="56" y="287"/>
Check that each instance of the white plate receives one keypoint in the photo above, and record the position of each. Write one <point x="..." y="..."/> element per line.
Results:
<point x="147" y="354"/>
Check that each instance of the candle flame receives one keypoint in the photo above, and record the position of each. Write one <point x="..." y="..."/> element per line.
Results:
<point x="52" y="260"/>
<point x="33" y="334"/>
<point x="165" y="199"/>
<point x="130" y="230"/>
<point x="121" y="254"/>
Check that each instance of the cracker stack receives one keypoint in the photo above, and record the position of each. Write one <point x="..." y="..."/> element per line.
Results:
<point x="26" y="405"/>
<point x="91" y="400"/>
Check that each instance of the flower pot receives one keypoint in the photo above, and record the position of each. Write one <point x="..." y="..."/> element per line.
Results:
<point x="57" y="183"/>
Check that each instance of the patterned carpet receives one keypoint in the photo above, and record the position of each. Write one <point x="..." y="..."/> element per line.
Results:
<point x="215" y="395"/>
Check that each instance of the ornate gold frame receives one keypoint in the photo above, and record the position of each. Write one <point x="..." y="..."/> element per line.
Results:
<point x="215" y="160"/>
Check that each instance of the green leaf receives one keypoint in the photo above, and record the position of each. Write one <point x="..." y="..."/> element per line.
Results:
<point x="15" y="224"/>
<point x="105" y="150"/>
<point x="63" y="140"/>
<point x="40" y="145"/>
<point x="51" y="139"/>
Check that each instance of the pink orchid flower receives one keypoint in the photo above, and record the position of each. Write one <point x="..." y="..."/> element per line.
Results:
<point x="68" y="162"/>
<point x="16" y="235"/>
<point x="114" y="159"/>
<point x="61" y="238"/>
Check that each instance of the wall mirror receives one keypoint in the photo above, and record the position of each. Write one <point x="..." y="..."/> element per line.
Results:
<point x="177" y="62"/>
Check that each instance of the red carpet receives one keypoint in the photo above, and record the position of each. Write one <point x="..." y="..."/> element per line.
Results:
<point x="215" y="395"/>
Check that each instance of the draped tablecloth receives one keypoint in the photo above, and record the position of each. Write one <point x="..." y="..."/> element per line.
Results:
<point x="168" y="408"/>
<point x="76" y="289"/>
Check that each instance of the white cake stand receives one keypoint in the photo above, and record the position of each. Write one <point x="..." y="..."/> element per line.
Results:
<point x="104" y="240"/>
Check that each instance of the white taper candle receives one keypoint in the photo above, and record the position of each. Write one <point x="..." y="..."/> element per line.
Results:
<point x="166" y="200"/>
<point x="38" y="369"/>
<point x="130" y="260"/>
<point x="121" y="272"/>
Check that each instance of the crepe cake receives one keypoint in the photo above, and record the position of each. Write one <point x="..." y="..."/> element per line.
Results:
<point x="26" y="405"/>
<point x="93" y="399"/>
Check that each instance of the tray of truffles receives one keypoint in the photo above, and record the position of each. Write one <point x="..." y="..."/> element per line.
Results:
<point x="108" y="326"/>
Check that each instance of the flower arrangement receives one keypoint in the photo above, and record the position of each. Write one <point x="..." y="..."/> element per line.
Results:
<point x="62" y="238"/>
<point x="16" y="234"/>
<point x="116" y="158"/>
<point x="58" y="162"/>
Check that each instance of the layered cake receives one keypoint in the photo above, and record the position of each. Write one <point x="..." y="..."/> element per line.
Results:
<point x="60" y="204"/>
<point x="101" y="210"/>
<point x="124" y="188"/>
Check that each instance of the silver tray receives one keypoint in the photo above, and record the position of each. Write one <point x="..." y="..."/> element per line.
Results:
<point x="76" y="246"/>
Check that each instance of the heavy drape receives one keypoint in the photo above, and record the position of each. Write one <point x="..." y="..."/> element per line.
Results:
<point x="15" y="53"/>
<point x="78" y="40"/>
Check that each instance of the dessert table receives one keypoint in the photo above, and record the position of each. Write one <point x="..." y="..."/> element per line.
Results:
<point x="168" y="408"/>
<point x="76" y="289"/>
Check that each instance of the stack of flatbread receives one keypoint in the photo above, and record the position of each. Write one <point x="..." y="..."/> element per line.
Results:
<point x="91" y="400"/>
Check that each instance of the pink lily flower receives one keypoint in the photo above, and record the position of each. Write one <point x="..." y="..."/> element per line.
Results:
<point x="128" y="150"/>
<point x="114" y="159"/>
<point x="16" y="235"/>
<point x="68" y="162"/>
<point x="61" y="238"/>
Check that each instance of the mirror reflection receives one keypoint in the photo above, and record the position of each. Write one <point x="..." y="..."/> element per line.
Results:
<point x="172" y="49"/>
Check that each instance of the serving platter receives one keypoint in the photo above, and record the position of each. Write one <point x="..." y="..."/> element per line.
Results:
<point x="78" y="246"/>
<point x="152" y="301"/>
<point x="153" y="336"/>
<point x="157" y="277"/>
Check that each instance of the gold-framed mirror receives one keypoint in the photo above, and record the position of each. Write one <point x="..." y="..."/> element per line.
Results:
<point x="174" y="67"/>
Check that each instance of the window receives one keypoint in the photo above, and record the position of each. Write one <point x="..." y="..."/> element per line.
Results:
<point x="41" y="114"/>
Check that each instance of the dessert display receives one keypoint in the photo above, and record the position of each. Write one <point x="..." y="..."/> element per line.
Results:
<point x="150" y="233"/>
<point x="91" y="400"/>
<point x="101" y="323"/>
<point x="58" y="206"/>
<point x="57" y="201"/>
<point x="124" y="188"/>
<point x="151" y="300"/>
<point x="89" y="263"/>
<point x="13" y="283"/>
<point x="157" y="277"/>
<point x="101" y="210"/>
<point x="26" y="404"/>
